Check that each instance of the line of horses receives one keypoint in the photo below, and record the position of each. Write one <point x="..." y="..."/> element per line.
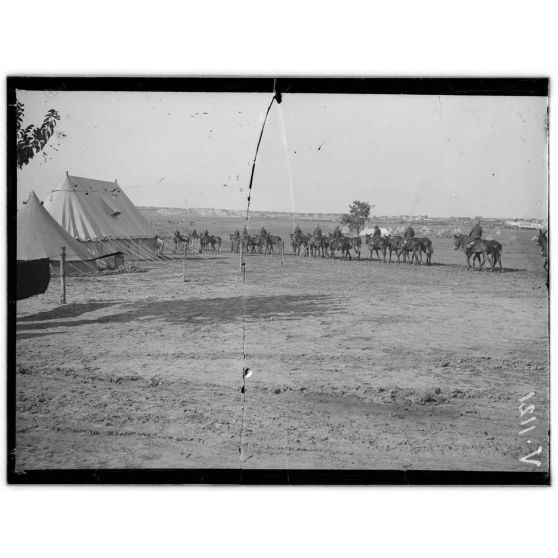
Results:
<point x="256" y="243"/>
<point x="205" y="242"/>
<point x="412" y="250"/>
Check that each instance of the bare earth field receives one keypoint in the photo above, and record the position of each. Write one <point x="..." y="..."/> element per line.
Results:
<point x="355" y="364"/>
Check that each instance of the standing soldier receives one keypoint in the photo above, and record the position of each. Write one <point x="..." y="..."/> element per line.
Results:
<point x="244" y="231"/>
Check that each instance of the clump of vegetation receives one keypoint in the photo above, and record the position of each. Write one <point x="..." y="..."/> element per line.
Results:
<point x="155" y="381"/>
<point x="33" y="139"/>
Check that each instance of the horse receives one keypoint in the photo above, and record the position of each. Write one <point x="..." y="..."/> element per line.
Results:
<point x="356" y="245"/>
<point x="395" y="244"/>
<point x="377" y="244"/>
<point x="316" y="246"/>
<point x="217" y="242"/>
<point x="477" y="248"/>
<point x="422" y="245"/>
<point x="255" y="242"/>
<point x="178" y="238"/>
<point x="542" y="241"/>
<point x="470" y="246"/>
<point x="211" y="241"/>
<point x="273" y="242"/>
<point x="411" y="250"/>
<point x="235" y="242"/>
<point x="494" y="252"/>
<point x="342" y="243"/>
<point x="295" y="243"/>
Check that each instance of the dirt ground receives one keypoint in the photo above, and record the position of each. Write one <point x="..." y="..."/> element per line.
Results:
<point x="355" y="365"/>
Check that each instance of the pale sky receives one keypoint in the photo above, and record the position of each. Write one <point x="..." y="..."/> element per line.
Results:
<point x="405" y="154"/>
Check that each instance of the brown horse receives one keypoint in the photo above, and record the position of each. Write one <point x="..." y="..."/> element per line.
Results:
<point x="395" y="244"/>
<point x="479" y="248"/>
<point x="317" y="246"/>
<point x="344" y="244"/>
<point x="419" y="246"/>
<point x="377" y="244"/>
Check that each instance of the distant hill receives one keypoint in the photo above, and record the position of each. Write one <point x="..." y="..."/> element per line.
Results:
<point x="212" y="212"/>
<point x="240" y="213"/>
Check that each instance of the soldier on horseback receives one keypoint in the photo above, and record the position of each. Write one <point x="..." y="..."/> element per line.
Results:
<point x="337" y="233"/>
<point x="317" y="232"/>
<point x="410" y="232"/>
<point x="475" y="234"/>
<point x="377" y="233"/>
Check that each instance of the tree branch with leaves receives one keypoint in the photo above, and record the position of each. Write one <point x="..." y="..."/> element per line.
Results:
<point x="358" y="216"/>
<point x="33" y="139"/>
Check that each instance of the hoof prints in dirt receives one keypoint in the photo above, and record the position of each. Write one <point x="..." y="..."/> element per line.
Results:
<point x="201" y="310"/>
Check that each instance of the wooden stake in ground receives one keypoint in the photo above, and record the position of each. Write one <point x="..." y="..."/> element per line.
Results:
<point x="63" y="276"/>
<point x="184" y="264"/>
<point x="282" y="250"/>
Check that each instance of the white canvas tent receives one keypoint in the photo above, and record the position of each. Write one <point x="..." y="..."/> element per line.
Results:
<point x="39" y="236"/>
<point x="101" y="216"/>
<point x="370" y="231"/>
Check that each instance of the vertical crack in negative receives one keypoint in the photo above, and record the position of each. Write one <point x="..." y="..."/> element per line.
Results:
<point x="276" y="97"/>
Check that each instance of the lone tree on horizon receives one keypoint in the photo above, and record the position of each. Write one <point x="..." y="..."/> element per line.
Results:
<point x="359" y="214"/>
<point x="33" y="139"/>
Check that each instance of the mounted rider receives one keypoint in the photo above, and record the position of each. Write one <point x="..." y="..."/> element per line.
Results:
<point x="178" y="237"/>
<point x="409" y="232"/>
<point x="317" y="232"/>
<point x="377" y="234"/>
<point x="263" y="233"/>
<point x="337" y="233"/>
<point x="236" y="234"/>
<point x="475" y="234"/>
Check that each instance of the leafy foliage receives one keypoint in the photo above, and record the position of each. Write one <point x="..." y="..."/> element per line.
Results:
<point x="359" y="214"/>
<point x="32" y="139"/>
